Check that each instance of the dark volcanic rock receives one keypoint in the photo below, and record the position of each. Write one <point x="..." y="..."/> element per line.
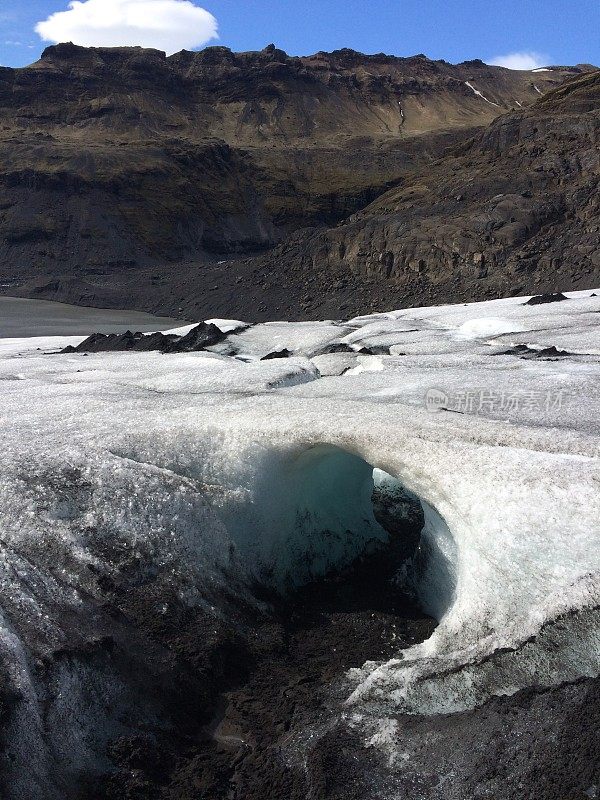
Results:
<point x="544" y="354"/>
<point x="401" y="515"/>
<point x="374" y="350"/>
<point x="537" y="745"/>
<point x="111" y="342"/>
<point x="517" y="350"/>
<point x="550" y="297"/>
<point x="549" y="353"/>
<point x="285" y="353"/>
<point x="199" y="338"/>
<point x="336" y="347"/>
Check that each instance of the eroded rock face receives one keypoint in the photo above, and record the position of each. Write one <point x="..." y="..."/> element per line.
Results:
<point x="514" y="211"/>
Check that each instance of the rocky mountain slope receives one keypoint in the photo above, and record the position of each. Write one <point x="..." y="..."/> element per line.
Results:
<point x="130" y="178"/>
<point x="515" y="210"/>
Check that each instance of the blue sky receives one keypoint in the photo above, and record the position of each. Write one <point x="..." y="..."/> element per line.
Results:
<point x="552" y="31"/>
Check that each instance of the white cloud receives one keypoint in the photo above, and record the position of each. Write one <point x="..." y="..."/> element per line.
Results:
<point x="170" y="25"/>
<point x="527" y="59"/>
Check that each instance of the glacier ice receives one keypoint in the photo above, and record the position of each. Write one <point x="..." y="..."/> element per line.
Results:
<point x="221" y="469"/>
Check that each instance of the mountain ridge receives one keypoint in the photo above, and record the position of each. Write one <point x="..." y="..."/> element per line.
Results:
<point x="127" y="175"/>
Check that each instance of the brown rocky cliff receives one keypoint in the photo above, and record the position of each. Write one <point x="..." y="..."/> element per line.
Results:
<point x="516" y="209"/>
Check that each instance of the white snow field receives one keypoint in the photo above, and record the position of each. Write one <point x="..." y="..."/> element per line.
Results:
<point x="223" y="468"/>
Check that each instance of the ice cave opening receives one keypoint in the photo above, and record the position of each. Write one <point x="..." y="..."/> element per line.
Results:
<point x="315" y="513"/>
<point x="287" y="566"/>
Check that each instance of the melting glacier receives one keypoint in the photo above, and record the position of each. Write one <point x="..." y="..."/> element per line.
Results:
<point x="222" y="470"/>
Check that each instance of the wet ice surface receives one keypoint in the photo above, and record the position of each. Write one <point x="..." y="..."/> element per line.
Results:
<point x="185" y="459"/>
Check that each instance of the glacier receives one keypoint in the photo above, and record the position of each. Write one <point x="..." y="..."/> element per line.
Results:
<point x="220" y="470"/>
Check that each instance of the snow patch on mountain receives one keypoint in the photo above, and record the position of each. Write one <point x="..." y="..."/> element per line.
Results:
<point x="479" y="94"/>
